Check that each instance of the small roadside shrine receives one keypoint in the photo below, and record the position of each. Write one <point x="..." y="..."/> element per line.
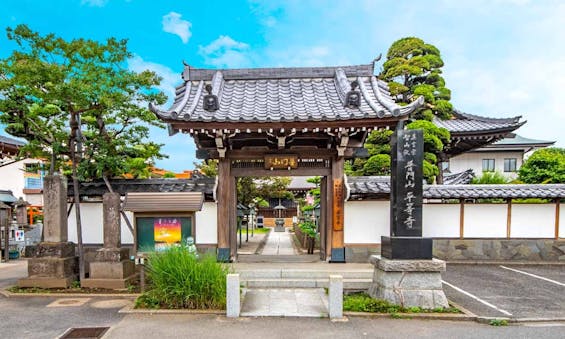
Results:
<point x="282" y="122"/>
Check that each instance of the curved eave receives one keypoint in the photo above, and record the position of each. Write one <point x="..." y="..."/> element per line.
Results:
<point x="487" y="132"/>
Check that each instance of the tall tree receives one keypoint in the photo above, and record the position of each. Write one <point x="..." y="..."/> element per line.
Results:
<point x="412" y="69"/>
<point x="77" y="101"/>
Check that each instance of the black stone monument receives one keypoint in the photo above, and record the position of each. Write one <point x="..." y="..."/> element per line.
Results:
<point x="406" y="190"/>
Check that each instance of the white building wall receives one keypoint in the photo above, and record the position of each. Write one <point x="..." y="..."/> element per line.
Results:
<point x="366" y="221"/>
<point x="441" y="220"/>
<point x="93" y="230"/>
<point x="485" y="221"/>
<point x="562" y="221"/>
<point x="206" y="224"/>
<point x="533" y="221"/>
<point x="474" y="161"/>
<point x="12" y="178"/>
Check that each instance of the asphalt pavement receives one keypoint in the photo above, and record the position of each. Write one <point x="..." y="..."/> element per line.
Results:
<point x="512" y="291"/>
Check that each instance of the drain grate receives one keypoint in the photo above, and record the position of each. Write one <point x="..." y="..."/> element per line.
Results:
<point x="84" y="332"/>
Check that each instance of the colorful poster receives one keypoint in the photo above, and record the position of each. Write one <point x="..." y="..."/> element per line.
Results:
<point x="167" y="232"/>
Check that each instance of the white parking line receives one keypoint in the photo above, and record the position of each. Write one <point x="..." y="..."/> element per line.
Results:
<point x="477" y="298"/>
<point x="533" y="275"/>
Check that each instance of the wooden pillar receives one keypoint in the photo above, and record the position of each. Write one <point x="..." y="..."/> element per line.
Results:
<point x="223" y="197"/>
<point x="324" y="244"/>
<point x="337" y="189"/>
<point x="461" y="218"/>
<point x="232" y="221"/>
<point x="557" y="211"/>
<point x="509" y="218"/>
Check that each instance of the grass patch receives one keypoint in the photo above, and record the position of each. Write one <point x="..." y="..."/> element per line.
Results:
<point x="263" y="230"/>
<point x="498" y="322"/>
<point x="74" y="289"/>
<point x="177" y="279"/>
<point x="362" y="302"/>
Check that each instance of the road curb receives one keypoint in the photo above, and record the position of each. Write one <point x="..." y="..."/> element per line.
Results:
<point x="130" y="310"/>
<point x="9" y="294"/>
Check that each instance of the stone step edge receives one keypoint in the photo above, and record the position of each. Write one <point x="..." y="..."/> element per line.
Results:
<point x="304" y="283"/>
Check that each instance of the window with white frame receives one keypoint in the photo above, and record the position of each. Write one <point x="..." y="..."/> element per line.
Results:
<point x="510" y="165"/>
<point x="488" y="165"/>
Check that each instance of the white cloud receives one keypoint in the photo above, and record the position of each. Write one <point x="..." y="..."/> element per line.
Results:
<point x="94" y="3"/>
<point x="172" y="23"/>
<point x="170" y="78"/>
<point x="226" y="52"/>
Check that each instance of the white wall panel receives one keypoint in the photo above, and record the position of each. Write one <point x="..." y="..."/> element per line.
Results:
<point x="485" y="221"/>
<point x="91" y="221"/>
<point x="562" y="221"/>
<point x="206" y="224"/>
<point x="366" y="221"/>
<point x="533" y="221"/>
<point x="441" y="220"/>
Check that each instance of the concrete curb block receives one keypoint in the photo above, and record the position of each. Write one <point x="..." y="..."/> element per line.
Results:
<point x="130" y="310"/>
<point x="422" y="316"/>
<point x="9" y="294"/>
<point x="517" y="321"/>
<point x="504" y="262"/>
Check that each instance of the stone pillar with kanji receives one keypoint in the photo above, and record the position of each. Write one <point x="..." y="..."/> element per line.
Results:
<point x="406" y="273"/>
<point x="111" y="267"/>
<point x="53" y="263"/>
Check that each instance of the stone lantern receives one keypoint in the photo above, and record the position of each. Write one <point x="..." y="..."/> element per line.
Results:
<point x="279" y="220"/>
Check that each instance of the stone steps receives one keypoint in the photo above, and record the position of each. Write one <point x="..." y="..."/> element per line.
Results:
<point x="353" y="278"/>
<point x="265" y="258"/>
<point x="348" y="284"/>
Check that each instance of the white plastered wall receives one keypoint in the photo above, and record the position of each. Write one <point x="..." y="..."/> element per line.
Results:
<point x="441" y="220"/>
<point x="562" y="221"/>
<point x="532" y="221"/>
<point x="206" y="224"/>
<point x="366" y="221"/>
<point x="92" y="227"/>
<point x="485" y="221"/>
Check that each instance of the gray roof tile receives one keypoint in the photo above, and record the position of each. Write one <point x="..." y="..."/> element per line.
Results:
<point x="363" y="187"/>
<point x="283" y="95"/>
<point x="469" y="123"/>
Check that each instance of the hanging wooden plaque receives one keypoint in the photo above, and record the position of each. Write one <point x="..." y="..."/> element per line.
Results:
<point x="281" y="161"/>
<point x="338" y="205"/>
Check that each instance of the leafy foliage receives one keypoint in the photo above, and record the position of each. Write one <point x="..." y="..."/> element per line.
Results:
<point x="412" y="69"/>
<point x="490" y="178"/>
<point x="544" y="166"/>
<point x="361" y="302"/>
<point x="308" y="228"/>
<point x="48" y="84"/>
<point x="180" y="280"/>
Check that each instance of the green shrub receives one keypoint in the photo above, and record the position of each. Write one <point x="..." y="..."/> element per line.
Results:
<point x="180" y="280"/>
<point x="308" y="228"/>
<point x="362" y="302"/>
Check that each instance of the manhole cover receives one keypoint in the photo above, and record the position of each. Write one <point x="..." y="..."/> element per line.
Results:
<point x="69" y="302"/>
<point x="85" y="332"/>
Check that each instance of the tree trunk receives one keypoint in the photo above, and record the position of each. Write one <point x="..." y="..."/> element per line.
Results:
<point x="76" y="196"/>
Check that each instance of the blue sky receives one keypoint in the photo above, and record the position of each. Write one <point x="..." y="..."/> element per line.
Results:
<point x="502" y="57"/>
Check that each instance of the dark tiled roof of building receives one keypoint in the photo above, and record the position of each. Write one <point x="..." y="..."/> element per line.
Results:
<point x="283" y="95"/>
<point x="123" y="186"/>
<point x="518" y="140"/>
<point x="10" y="141"/>
<point x="463" y="123"/>
<point x="461" y="178"/>
<point x="366" y="187"/>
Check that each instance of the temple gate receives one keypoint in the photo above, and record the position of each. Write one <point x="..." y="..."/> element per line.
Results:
<point x="282" y="122"/>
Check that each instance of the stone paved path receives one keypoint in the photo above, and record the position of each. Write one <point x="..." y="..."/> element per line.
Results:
<point x="279" y="243"/>
<point x="296" y="302"/>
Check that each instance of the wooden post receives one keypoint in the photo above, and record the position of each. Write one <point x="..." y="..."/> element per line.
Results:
<point x="557" y="216"/>
<point x="323" y="224"/>
<point x="233" y="222"/>
<point x="337" y="189"/>
<point x="509" y="218"/>
<point x="223" y="196"/>
<point x="461" y="218"/>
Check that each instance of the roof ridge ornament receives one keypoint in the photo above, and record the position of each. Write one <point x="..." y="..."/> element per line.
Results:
<point x="353" y="98"/>
<point x="186" y="71"/>
<point x="210" y="102"/>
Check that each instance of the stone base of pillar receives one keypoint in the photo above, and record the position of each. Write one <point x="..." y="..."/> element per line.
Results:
<point x="279" y="228"/>
<point x="112" y="269"/>
<point x="409" y="283"/>
<point x="53" y="265"/>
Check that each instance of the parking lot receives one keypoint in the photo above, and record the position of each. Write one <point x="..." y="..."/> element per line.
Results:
<point x="513" y="291"/>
